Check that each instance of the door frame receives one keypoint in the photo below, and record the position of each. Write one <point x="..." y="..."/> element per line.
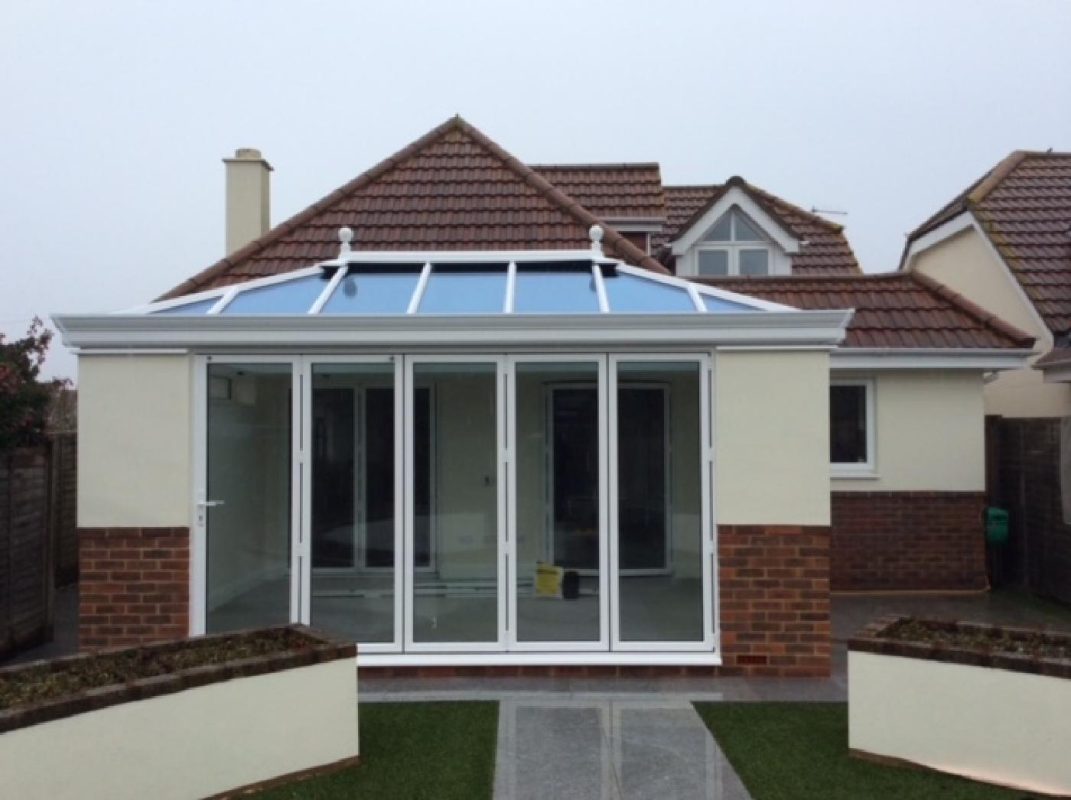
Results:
<point x="599" y="360"/>
<point x="199" y="512"/>
<point x="305" y="598"/>
<point x="706" y="493"/>
<point x="408" y="363"/>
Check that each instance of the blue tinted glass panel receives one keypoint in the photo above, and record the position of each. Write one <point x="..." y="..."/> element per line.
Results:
<point x="555" y="293"/>
<point x="373" y="293"/>
<point x="200" y="307"/>
<point x="717" y="304"/>
<point x="288" y="297"/>
<point x="630" y="294"/>
<point x="464" y="293"/>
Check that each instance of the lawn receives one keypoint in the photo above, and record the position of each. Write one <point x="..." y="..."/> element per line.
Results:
<point x="799" y="751"/>
<point x="413" y="750"/>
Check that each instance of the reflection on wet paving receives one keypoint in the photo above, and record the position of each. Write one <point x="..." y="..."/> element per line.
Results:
<point x="608" y="747"/>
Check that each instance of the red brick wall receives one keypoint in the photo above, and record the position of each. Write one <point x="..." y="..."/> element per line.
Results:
<point x="774" y="589"/>
<point x="907" y="541"/>
<point x="134" y="585"/>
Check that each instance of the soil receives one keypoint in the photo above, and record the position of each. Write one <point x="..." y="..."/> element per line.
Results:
<point x="42" y="682"/>
<point x="1036" y="644"/>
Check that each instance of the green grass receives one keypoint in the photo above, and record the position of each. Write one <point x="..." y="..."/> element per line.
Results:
<point x="413" y="750"/>
<point x="799" y="751"/>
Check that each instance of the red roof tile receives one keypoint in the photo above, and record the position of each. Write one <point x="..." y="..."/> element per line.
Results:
<point x="827" y="251"/>
<point x="1024" y="205"/>
<point x="452" y="189"/>
<point x="614" y="192"/>
<point x="892" y="310"/>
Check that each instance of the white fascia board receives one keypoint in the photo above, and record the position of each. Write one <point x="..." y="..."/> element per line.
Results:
<point x="825" y="328"/>
<point x="988" y="359"/>
<point x="945" y="230"/>
<point x="736" y="197"/>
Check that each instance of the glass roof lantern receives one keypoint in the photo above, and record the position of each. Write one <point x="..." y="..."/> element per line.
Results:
<point x="548" y="282"/>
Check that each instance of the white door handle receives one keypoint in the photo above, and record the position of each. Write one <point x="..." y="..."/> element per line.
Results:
<point x="210" y="503"/>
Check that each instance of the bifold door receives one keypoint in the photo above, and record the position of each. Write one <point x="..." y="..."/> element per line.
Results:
<point x="459" y="504"/>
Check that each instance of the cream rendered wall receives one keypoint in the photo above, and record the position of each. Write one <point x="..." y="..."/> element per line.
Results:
<point x="967" y="264"/>
<point x="134" y="440"/>
<point x="930" y="433"/>
<point x="771" y="437"/>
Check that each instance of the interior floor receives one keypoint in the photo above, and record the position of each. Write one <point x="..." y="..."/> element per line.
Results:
<point x="360" y="607"/>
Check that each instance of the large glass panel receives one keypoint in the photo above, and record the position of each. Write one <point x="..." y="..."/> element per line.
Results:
<point x="353" y="521"/>
<point x="249" y="489"/>
<point x="452" y="291"/>
<point x="754" y="262"/>
<point x="555" y="293"/>
<point x="373" y="293"/>
<point x="633" y="294"/>
<point x="847" y="424"/>
<point x="745" y="229"/>
<point x="713" y="262"/>
<point x="286" y="297"/>
<point x="659" y="488"/>
<point x="721" y="232"/>
<point x="456" y="591"/>
<point x="557" y="412"/>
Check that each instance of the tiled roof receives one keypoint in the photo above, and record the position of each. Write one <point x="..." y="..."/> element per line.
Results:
<point x="1024" y="205"/>
<point x="452" y="189"/>
<point x="611" y="191"/>
<point x="892" y="310"/>
<point x="827" y="251"/>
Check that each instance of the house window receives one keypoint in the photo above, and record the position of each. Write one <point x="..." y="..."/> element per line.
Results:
<point x="733" y="246"/>
<point x="851" y="427"/>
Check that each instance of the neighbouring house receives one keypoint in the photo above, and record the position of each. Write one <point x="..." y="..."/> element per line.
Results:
<point x="1005" y="243"/>
<point x="462" y="411"/>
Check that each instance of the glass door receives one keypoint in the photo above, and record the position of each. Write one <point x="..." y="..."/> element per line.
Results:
<point x="246" y="558"/>
<point x="352" y="499"/>
<point x="557" y="490"/>
<point x="662" y="537"/>
<point x="455" y="559"/>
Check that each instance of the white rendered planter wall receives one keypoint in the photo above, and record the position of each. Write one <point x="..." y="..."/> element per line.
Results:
<point x="997" y="724"/>
<point x="192" y="743"/>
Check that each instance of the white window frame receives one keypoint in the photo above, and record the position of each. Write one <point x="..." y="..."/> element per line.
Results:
<point x="733" y="246"/>
<point x="602" y="643"/>
<point x="711" y="635"/>
<point x="305" y="581"/>
<point x="868" y="468"/>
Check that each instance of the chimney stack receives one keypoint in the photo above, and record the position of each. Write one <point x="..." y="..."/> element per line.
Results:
<point x="248" y="197"/>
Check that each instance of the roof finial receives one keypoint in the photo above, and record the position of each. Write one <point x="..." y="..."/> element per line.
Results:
<point x="345" y="236"/>
<point x="595" y="234"/>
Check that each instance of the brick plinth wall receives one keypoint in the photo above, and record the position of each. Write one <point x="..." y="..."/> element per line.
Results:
<point x="134" y="586"/>
<point x="908" y="541"/>
<point x="774" y="587"/>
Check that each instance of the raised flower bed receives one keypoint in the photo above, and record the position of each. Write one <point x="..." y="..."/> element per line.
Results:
<point x="989" y="703"/>
<point x="184" y="719"/>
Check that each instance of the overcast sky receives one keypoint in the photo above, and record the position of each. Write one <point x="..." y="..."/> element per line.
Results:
<point x="115" y="115"/>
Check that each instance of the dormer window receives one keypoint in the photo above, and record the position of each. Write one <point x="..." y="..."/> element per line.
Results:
<point x="734" y="245"/>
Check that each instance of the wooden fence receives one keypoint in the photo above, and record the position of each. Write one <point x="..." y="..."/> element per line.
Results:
<point x="38" y="538"/>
